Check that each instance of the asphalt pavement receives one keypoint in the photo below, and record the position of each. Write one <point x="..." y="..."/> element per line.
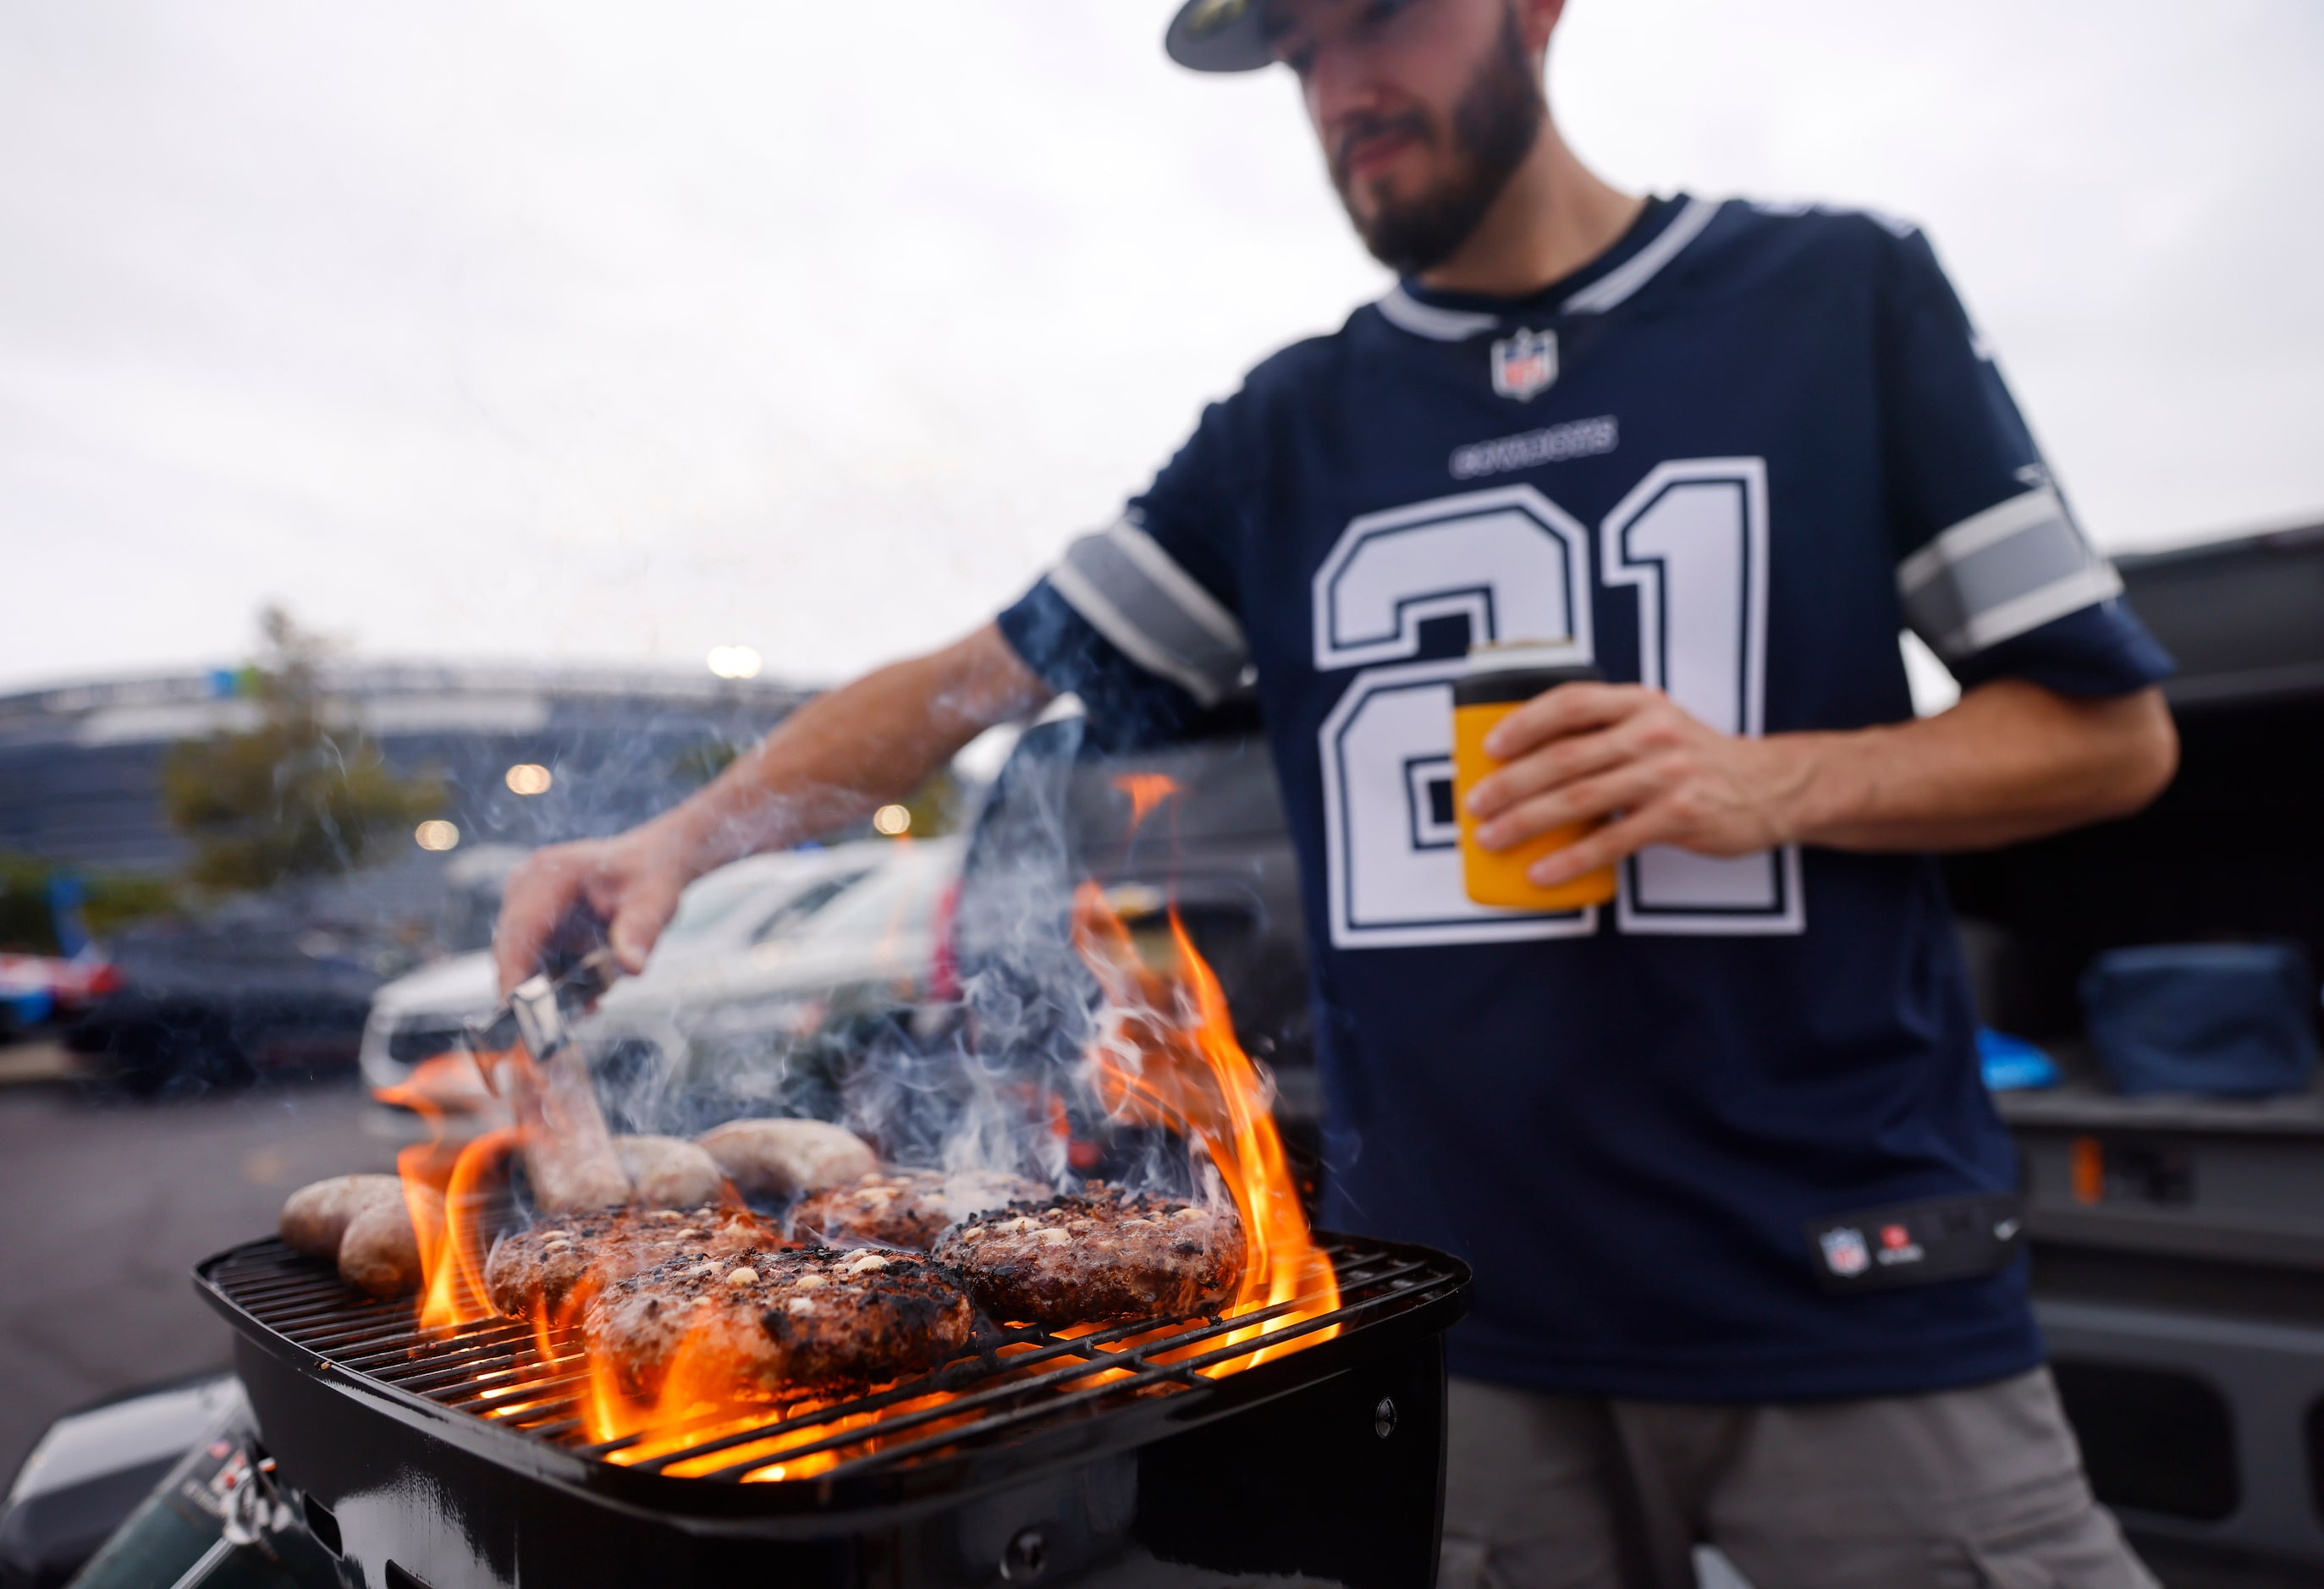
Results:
<point x="105" y="1207"/>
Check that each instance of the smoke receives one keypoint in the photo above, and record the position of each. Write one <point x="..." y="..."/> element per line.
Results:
<point x="1035" y="1018"/>
<point x="1003" y="1079"/>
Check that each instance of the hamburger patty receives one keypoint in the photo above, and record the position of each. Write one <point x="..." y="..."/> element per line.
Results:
<point x="764" y="1320"/>
<point x="904" y="1208"/>
<point x="535" y="1270"/>
<point x="1099" y="1255"/>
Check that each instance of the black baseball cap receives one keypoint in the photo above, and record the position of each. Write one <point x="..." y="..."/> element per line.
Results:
<point x="1219" y="36"/>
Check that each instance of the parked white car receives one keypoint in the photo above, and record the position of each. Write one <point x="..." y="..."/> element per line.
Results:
<point x="724" y="917"/>
<point x="716" y="1030"/>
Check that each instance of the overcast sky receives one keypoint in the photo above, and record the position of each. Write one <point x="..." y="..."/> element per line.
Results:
<point x="584" y="330"/>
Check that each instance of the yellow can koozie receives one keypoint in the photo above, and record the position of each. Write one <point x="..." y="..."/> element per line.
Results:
<point x="1498" y="877"/>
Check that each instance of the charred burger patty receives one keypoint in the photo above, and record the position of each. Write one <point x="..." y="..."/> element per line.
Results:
<point x="1099" y="1255"/>
<point x="904" y="1208"/>
<point x="535" y="1270"/>
<point x="764" y="1321"/>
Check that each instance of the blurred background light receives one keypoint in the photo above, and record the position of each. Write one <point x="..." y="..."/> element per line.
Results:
<point x="435" y="834"/>
<point x="528" y="777"/>
<point x="735" y="662"/>
<point x="891" y="820"/>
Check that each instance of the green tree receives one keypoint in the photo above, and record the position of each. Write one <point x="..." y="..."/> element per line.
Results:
<point x="303" y="793"/>
<point x="109" y="900"/>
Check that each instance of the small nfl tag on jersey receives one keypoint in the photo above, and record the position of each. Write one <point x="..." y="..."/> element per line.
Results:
<point x="1524" y="364"/>
<point x="1844" y="1252"/>
<point x="1913" y="1243"/>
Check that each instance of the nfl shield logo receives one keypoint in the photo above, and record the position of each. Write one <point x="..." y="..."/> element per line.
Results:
<point x="1524" y="364"/>
<point x="1844" y="1251"/>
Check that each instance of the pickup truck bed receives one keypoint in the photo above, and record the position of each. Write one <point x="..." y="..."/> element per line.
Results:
<point x="2179" y="1242"/>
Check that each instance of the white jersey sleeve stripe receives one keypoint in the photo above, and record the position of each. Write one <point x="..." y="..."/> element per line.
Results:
<point x="1998" y="574"/>
<point x="1153" y="612"/>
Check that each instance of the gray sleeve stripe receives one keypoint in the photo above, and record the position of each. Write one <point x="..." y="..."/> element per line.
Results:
<point x="1176" y="583"/>
<point x="1111" y="579"/>
<point x="1979" y="530"/>
<point x="1999" y="573"/>
<point x="2085" y="587"/>
<point x="2032" y="559"/>
<point x="1132" y="643"/>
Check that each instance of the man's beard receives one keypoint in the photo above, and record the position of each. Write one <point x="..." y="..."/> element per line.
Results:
<point x="1494" y="126"/>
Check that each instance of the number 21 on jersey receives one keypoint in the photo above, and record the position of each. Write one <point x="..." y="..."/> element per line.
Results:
<point x="1690" y="541"/>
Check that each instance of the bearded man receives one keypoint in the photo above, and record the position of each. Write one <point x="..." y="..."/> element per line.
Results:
<point x="1749" y="1264"/>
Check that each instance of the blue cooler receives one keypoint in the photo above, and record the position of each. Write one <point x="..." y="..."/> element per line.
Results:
<point x="2231" y="1020"/>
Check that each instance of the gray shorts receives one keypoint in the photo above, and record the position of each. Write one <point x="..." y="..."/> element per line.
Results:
<point x="1958" y="1489"/>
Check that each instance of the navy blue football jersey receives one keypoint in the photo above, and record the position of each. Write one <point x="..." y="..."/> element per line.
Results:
<point x="1732" y="458"/>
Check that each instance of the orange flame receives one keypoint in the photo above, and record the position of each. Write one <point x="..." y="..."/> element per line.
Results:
<point x="1166" y="1053"/>
<point x="1166" y="1056"/>
<point x="1147" y="792"/>
<point x="697" y="1398"/>
<point x="1172" y="1060"/>
<point x="454" y="1261"/>
<point x="449" y="1224"/>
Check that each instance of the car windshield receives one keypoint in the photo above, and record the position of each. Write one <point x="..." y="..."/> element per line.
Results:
<point x="795" y="912"/>
<point x="900" y="897"/>
<point x="714" y="899"/>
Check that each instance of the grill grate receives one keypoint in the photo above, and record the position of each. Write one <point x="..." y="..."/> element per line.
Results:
<point x="1006" y="1382"/>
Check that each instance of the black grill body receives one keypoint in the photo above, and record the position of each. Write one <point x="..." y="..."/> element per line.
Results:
<point x="1324" y="1466"/>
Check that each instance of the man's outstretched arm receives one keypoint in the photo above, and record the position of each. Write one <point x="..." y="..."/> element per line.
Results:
<point x="2011" y="761"/>
<point x="832" y="761"/>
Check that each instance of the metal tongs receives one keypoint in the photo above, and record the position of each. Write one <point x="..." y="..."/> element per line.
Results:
<point x="576" y="968"/>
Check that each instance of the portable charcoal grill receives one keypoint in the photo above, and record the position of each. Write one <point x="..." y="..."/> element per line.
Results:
<point x="441" y="1460"/>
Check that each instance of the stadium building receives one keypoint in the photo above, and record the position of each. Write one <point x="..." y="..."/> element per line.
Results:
<point x="526" y="755"/>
